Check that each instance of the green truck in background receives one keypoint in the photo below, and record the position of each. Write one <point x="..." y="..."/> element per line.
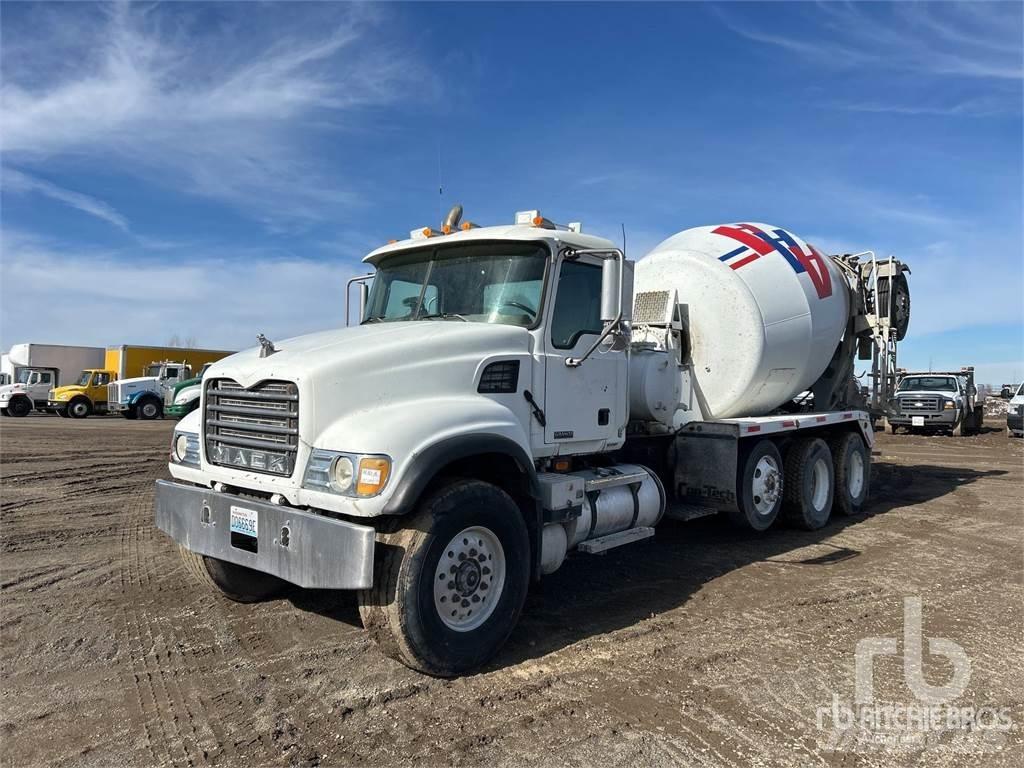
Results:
<point x="183" y="397"/>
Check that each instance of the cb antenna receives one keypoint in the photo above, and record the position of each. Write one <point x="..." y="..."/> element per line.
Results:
<point x="440" y="185"/>
<point x="623" y="225"/>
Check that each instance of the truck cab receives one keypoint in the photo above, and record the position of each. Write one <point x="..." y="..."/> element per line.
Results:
<point x="183" y="398"/>
<point x="143" y="397"/>
<point x="29" y="390"/>
<point x="83" y="398"/>
<point x="937" y="402"/>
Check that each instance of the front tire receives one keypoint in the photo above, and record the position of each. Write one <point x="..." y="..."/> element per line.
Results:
<point x="760" y="488"/>
<point x="79" y="408"/>
<point x="851" y="466"/>
<point x="235" y="582"/>
<point x="809" y="483"/>
<point x="19" y="407"/>
<point x="149" y="409"/>
<point x="450" y="583"/>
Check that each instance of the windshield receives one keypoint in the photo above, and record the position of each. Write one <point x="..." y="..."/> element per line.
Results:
<point x="83" y="380"/>
<point x="153" y="371"/>
<point x="486" y="283"/>
<point x="928" y="383"/>
<point x="1020" y="391"/>
<point x="25" y="375"/>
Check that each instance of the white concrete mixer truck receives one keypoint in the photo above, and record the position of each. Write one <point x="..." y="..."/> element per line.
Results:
<point x="515" y="393"/>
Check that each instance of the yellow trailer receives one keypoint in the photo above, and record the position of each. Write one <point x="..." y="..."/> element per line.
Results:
<point x="132" y="381"/>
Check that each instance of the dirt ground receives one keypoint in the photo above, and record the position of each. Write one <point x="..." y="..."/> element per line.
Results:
<point x="699" y="647"/>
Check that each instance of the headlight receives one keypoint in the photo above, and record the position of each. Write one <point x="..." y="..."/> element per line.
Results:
<point x="346" y="473"/>
<point x="185" y="448"/>
<point x="342" y="473"/>
<point x="949" y="405"/>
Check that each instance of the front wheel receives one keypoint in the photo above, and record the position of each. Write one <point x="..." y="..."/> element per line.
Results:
<point x="235" y="582"/>
<point x="808" y="485"/>
<point x="149" y="409"/>
<point x="450" y="583"/>
<point x="79" y="408"/>
<point x="19" y="406"/>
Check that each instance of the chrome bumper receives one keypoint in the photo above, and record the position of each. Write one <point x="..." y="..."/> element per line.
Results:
<point x="941" y="419"/>
<point x="306" y="549"/>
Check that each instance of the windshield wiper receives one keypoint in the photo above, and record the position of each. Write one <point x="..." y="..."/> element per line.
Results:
<point x="374" y="319"/>
<point x="443" y="316"/>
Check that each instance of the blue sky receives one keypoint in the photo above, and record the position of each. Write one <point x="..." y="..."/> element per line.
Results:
<point x="216" y="171"/>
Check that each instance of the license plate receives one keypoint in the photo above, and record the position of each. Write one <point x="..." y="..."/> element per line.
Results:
<point x="244" y="521"/>
<point x="915" y="421"/>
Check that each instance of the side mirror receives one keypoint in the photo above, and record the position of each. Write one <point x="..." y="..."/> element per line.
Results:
<point x="611" y="290"/>
<point x="611" y="298"/>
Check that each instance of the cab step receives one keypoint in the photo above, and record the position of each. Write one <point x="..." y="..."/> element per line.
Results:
<point x="602" y="544"/>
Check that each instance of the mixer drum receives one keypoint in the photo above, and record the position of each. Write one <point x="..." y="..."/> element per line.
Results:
<point x="766" y="312"/>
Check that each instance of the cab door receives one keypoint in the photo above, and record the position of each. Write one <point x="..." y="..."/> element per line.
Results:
<point x="585" y="406"/>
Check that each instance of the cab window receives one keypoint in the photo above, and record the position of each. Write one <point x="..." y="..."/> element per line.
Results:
<point x="578" y="304"/>
<point x="101" y="380"/>
<point x="45" y="377"/>
<point x="172" y="373"/>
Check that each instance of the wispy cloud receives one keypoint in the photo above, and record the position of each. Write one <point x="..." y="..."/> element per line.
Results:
<point x="237" y="113"/>
<point x="14" y="181"/>
<point x="182" y="293"/>
<point x="970" y="108"/>
<point x="971" y="40"/>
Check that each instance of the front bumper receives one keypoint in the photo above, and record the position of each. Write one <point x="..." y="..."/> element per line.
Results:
<point x="303" y="548"/>
<point x="943" y="420"/>
<point x="117" y="407"/>
<point x="57" y="403"/>
<point x="179" y="411"/>
<point x="1015" y="422"/>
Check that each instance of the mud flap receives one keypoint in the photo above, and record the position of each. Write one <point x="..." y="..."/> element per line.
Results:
<point x="705" y="466"/>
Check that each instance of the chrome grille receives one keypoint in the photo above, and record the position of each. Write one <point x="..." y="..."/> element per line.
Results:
<point x="912" y="405"/>
<point x="255" y="429"/>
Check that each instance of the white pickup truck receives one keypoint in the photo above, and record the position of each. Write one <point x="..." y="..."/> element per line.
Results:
<point x="507" y="398"/>
<point x="939" y="401"/>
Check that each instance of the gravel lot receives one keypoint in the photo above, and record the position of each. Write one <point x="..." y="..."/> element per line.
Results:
<point x="700" y="646"/>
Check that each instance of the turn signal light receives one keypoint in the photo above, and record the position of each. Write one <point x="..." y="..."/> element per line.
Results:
<point x="373" y="475"/>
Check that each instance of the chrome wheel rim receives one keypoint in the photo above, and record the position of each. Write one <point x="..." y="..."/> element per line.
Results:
<point x="819" y="485"/>
<point x="78" y="409"/>
<point x="469" y="579"/>
<point x="149" y="410"/>
<point x="855" y="475"/>
<point x="765" y="485"/>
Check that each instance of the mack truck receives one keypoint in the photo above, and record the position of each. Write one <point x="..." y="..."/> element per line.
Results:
<point x="35" y="369"/>
<point x="937" y="401"/>
<point x="513" y="394"/>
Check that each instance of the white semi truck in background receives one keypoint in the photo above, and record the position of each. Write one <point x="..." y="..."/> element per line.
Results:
<point x="35" y="369"/>
<point x="514" y="393"/>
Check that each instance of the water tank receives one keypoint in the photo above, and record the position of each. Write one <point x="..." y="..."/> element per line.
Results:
<point x="766" y="312"/>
